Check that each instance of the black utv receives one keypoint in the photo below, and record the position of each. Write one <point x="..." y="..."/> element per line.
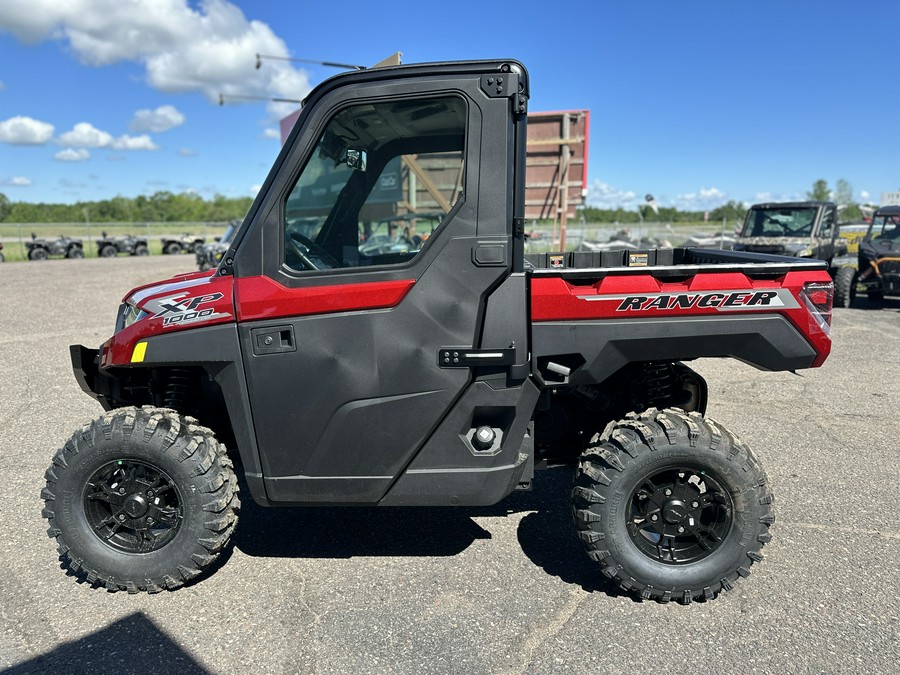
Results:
<point x="879" y="254"/>
<point x="109" y="247"/>
<point x="40" y="248"/>
<point x="209" y="255"/>
<point x="185" y="243"/>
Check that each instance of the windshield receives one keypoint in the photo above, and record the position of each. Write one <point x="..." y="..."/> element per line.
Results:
<point x="885" y="227"/>
<point x="780" y="222"/>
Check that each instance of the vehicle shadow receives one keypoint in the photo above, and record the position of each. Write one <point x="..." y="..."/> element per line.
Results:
<point x="121" y="644"/>
<point x="546" y="533"/>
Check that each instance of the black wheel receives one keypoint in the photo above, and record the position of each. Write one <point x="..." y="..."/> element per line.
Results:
<point x="672" y="505"/>
<point x="107" y="251"/>
<point x="141" y="249"/>
<point x="844" y="287"/>
<point x="75" y="253"/>
<point x="37" y="254"/>
<point x="172" y="248"/>
<point x="140" y="500"/>
<point x="875" y="294"/>
<point x="2" y="258"/>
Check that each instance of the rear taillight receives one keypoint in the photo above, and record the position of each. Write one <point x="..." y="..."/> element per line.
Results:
<point x="818" y="297"/>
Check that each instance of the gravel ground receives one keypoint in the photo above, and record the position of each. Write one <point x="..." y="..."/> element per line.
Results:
<point x="504" y="589"/>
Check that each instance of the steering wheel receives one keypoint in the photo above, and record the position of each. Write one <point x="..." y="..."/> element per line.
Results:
<point x="310" y="253"/>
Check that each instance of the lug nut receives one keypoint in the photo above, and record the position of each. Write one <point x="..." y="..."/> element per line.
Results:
<point x="694" y="505"/>
<point x="654" y="517"/>
<point x="121" y="491"/>
<point x="122" y="517"/>
<point x="149" y="521"/>
<point x="680" y="528"/>
<point x="668" y="492"/>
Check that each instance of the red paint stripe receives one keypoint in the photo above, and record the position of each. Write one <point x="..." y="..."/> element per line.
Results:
<point x="260" y="297"/>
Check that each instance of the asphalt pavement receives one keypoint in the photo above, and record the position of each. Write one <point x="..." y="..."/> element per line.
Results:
<point x="502" y="589"/>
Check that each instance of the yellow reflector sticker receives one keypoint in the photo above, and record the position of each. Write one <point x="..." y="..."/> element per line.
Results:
<point x="137" y="356"/>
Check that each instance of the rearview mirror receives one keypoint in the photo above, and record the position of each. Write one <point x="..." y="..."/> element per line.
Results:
<point x="356" y="159"/>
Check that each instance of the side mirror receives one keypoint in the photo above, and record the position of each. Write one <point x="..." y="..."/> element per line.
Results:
<point x="356" y="159"/>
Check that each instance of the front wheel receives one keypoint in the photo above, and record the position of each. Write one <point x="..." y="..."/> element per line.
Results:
<point x="140" y="500"/>
<point x="37" y="254"/>
<point x="672" y="506"/>
<point x="141" y="249"/>
<point x="844" y="287"/>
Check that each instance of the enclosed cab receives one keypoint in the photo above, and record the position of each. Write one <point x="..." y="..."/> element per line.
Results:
<point x="801" y="229"/>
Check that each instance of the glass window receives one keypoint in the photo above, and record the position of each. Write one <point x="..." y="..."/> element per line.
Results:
<point x="780" y="222"/>
<point x="381" y="179"/>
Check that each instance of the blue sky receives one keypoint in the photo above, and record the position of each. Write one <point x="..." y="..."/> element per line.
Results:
<point x="694" y="102"/>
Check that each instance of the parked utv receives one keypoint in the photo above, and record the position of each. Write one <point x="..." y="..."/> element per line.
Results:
<point x="209" y="255"/>
<point x="109" y="247"/>
<point x="802" y="229"/>
<point x="443" y="374"/>
<point x="40" y="248"/>
<point x="186" y="243"/>
<point x="879" y="254"/>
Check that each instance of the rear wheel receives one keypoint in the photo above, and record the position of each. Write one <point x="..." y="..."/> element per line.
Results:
<point x="844" y="287"/>
<point x="107" y="251"/>
<point x="37" y="254"/>
<point x="141" y="249"/>
<point x="172" y="248"/>
<point x="75" y="253"/>
<point x="140" y="500"/>
<point x="672" y="506"/>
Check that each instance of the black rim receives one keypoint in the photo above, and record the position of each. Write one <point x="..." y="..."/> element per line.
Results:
<point x="679" y="515"/>
<point x="133" y="506"/>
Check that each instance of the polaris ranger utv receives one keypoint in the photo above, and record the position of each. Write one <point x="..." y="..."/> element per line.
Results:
<point x="439" y="375"/>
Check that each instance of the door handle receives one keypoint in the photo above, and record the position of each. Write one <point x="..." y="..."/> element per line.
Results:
<point x="275" y="340"/>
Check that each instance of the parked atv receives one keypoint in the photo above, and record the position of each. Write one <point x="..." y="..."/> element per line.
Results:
<point x="879" y="254"/>
<point x="109" y="247"/>
<point x="209" y="255"/>
<point x="186" y="243"/>
<point x="61" y="247"/>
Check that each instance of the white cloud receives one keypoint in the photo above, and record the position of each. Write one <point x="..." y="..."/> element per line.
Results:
<point x="21" y="130"/>
<point x="165" y="117"/>
<point x="604" y="196"/>
<point x="209" y="48"/>
<point x="703" y="200"/>
<point x="272" y="133"/>
<point x="16" y="181"/>
<point x="864" y="195"/>
<point x="255" y="188"/>
<point x="72" y="155"/>
<point x="142" y="142"/>
<point x="85" y="135"/>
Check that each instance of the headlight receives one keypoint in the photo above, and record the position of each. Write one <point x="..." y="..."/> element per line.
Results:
<point x="799" y="250"/>
<point x="130" y="314"/>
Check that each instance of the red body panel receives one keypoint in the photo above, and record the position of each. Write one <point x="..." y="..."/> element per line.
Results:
<point x="262" y="298"/>
<point x="203" y="299"/>
<point x="186" y="301"/>
<point x="712" y="293"/>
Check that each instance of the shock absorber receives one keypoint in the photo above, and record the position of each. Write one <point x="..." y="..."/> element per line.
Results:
<point x="178" y="388"/>
<point x="658" y="384"/>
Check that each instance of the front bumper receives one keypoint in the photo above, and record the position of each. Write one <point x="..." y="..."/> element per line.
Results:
<point x="86" y="366"/>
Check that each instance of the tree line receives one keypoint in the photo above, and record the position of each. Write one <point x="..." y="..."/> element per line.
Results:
<point x="159" y="207"/>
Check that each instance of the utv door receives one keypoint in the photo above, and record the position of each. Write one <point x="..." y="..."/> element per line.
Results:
<point x="383" y="228"/>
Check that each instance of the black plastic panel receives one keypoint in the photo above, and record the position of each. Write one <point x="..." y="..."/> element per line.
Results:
<point x="769" y="343"/>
